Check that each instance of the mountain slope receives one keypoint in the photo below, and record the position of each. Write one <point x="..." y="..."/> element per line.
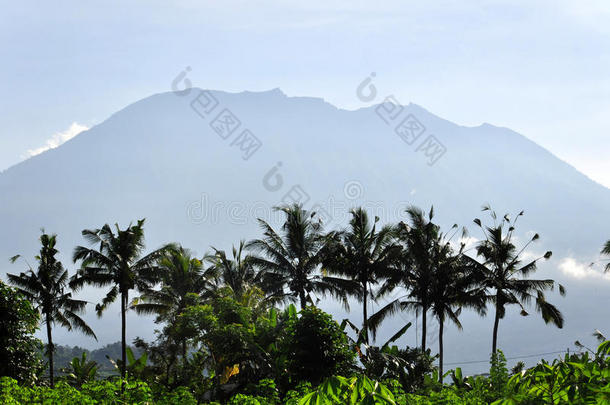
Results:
<point x="159" y="159"/>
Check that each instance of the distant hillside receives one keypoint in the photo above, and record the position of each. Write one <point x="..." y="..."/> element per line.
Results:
<point x="65" y="354"/>
<point x="174" y="160"/>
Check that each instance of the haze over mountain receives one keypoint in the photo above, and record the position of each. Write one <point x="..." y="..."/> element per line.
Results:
<point x="160" y="159"/>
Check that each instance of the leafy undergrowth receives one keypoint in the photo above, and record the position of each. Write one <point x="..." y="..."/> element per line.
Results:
<point x="575" y="379"/>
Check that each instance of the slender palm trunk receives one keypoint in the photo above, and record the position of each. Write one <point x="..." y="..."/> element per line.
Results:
<point x="423" y="327"/>
<point x="123" y="340"/>
<point x="50" y="349"/>
<point x="365" y="318"/>
<point x="496" y="322"/>
<point x="440" y="351"/>
<point x="303" y="299"/>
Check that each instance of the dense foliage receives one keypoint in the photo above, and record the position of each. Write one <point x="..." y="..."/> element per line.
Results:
<point x="229" y="331"/>
<point x="574" y="379"/>
<point x="19" y="349"/>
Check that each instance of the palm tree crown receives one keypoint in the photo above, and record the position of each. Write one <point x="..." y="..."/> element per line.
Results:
<point x="363" y="254"/>
<point x="505" y="273"/>
<point x="457" y="284"/>
<point x="291" y="260"/>
<point x="416" y="271"/>
<point x="46" y="288"/>
<point x="184" y="282"/>
<point x="237" y="272"/>
<point x="117" y="262"/>
<point x="183" y="279"/>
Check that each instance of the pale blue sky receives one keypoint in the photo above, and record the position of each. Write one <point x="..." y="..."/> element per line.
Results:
<point x="541" y="69"/>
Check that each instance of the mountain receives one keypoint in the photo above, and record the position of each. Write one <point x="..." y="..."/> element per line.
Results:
<point x="186" y="163"/>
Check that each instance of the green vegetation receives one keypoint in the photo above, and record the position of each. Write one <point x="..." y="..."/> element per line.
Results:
<point x="19" y="349"/>
<point x="46" y="288"/>
<point x="229" y="331"/>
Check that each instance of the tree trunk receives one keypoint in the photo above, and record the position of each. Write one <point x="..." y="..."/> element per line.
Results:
<point x="303" y="299"/>
<point x="50" y="349"/>
<point x="183" y="360"/>
<point x="496" y="322"/>
<point x="365" y="318"/>
<point x="123" y="340"/>
<point x="440" y="351"/>
<point x="423" y="328"/>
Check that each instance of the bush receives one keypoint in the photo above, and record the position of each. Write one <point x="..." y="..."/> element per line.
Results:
<point x="180" y="395"/>
<point x="135" y="391"/>
<point x="241" y="399"/>
<point x="95" y="392"/>
<point x="303" y="388"/>
<point x="267" y="389"/>
<point x="19" y="350"/>
<point x="317" y="348"/>
<point x="349" y="391"/>
<point x="11" y="393"/>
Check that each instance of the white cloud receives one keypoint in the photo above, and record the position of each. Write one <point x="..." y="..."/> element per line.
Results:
<point x="57" y="139"/>
<point x="571" y="267"/>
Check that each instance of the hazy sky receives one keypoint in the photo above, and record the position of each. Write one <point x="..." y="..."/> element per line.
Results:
<point x="541" y="69"/>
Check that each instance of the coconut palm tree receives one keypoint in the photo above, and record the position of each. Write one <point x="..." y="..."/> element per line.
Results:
<point x="46" y="288"/>
<point x="117" y="262"/>
<point x="505" y="273"/>
<point x="290" y="260"/>
<point x="457" y="284"/>
<point x="363" y="254"/>
<point x="184" y="282"/>
<point x="415" y="272"/>
<point x="237" y="273"/>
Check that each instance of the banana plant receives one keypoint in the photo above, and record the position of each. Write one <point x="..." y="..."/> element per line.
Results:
<point x="576" y="379"/>
<point x="81" y="371"/>
<point x="359" y="390"/>
<point x="135" y="368"/>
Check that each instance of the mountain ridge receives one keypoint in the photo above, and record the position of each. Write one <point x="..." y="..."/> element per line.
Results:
<point x="158" y="159"/>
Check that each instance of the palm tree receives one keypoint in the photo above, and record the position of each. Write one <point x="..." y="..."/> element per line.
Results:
<point x="505" y="274"/>
<point x="237" y="273"/>
<point x="184" y="282"/>
<point x="416" y="270"/>
<point x="365" y="255"/>
<point x="117" y="262"/>
<point x="46" y="289"/>
<point x="456" y="284"/>
<point x="291" y="259"/>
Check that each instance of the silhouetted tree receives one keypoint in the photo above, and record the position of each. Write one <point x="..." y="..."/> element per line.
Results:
<point x="505" y="274"/>
<point x="363" y="254"/>
<point x="237" y="273"/>
<point x="184" y="282"/>
<point x="291" y="260"/>
<point x="457" y="284"/>
<point x="415" y="272"/>
<point x="117" y="262"/>
<point x="46" y="288"/>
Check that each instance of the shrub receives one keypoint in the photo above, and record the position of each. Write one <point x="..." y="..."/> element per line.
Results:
<point x="316" y="347"/>
<point x="349" y="391"/>
<point x="19" y="350"/>
<point x="241" y="399"/>
<point x="267" y="389"/>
